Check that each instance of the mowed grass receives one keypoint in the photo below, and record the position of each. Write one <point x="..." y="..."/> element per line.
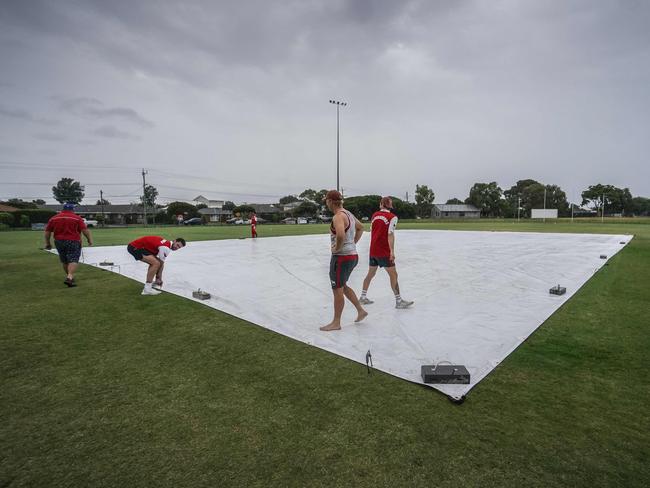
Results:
<point x="100" y="387"/>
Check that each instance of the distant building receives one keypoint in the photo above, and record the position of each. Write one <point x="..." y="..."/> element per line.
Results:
<point x="212" y="214"/>
<point x="288" y="207"/>
<point x="454" y="211"/>
<point x="207" y="202"/>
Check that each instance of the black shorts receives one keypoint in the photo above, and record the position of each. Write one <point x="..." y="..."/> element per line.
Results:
<point x="138" y="254"/>
<point x="341" y="268"/>
<point x="381" y="262"/>
<point x="69" y="251"/>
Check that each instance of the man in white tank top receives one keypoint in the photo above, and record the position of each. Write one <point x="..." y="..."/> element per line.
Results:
<point x="345" y="232"/>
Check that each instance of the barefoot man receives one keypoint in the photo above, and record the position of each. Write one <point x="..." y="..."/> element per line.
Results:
<point x="153" y="250"/>
<point x="345" y="231"/>
<point x="382" y="251"/>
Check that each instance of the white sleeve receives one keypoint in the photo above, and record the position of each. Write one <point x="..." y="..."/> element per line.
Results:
<point x="163" y="252"/>
<point x="391" y="225"/>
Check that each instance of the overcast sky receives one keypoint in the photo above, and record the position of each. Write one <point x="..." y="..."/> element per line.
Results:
<point x="230" y="99"/>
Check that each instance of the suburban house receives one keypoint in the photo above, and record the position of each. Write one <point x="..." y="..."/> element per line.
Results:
<point x="212" y="214"/>
<point x="213" y="211"/>
<point x="267" y="210"/>
<point x="454" y="211"/>
<point x="290" y="207"/>
<point x="129" y="213"/>
<point x="201" y="200"/>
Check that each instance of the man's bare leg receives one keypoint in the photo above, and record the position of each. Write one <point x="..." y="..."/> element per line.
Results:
<point x="339" y="302"/>
<point x="372" y="271"/>
<point x="350" y="295"/>
<point x="72" y="267"/>
<point x="154" y="264"/>
<point x="392" y="274"/>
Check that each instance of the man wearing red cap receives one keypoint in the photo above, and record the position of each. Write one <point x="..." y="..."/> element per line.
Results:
<point x="67" y="228"/>
<point x="345" y="232"/>
<point x="382" y="251"/>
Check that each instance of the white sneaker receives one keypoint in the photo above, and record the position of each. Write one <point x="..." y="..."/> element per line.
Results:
<point x="365" y="301"/>
<point x="150" y="291"/>
<point x="403" y="304"/>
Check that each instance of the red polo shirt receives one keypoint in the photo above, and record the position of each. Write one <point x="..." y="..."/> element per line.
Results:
<point x="151" y="243"/>
<point x="66" y="226"/>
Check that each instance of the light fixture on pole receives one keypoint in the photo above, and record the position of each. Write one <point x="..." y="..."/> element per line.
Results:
<point x="338" y="105"/>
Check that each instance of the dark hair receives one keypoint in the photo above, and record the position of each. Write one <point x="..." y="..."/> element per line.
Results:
<point x="181" y="240"/>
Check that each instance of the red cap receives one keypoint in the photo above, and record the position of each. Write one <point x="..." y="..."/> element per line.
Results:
<point x="333" y="195"/>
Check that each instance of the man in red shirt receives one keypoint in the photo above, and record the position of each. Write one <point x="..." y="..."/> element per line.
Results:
<point x="253" y="225"/>
<point x="382" y="251"/>
<point x="153" y="250"/>
<point x="67" y="228"/>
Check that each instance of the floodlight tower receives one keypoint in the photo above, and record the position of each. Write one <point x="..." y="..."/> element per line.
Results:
<point x="338" y="104"/>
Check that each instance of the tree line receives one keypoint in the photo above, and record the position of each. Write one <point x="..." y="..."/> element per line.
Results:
<point x="489" y="198"/>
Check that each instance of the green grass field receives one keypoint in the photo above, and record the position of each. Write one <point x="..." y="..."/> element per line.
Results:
<point x="102" y="388"/>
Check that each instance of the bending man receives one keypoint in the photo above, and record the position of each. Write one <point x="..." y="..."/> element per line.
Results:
<point x="153" y="250"/>
<point x="345" y="232"/>
<point x="382" y="251"/>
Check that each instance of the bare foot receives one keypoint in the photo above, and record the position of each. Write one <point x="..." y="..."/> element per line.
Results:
<point x="330" y="326"/>
<point x="362" y="315"/>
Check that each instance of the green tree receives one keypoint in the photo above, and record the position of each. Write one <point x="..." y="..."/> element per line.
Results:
<point x="487" y="198"/>
<point x="616" y="200"/>
<point x="454" y="201"/>
<point x="103" y="201"/>
<point x="20" y="203"/>
<point x="243" y="210"/>
<point x="187" y="210"/>
<point x="228" y="205"/>
<point x="6" y="218"/>
<point x="424" y="197"/>
<point x="525" y="193"/>
<point x="313" y="195"/>
<point x="68" y="190"/>
<point x="149" y="197"/>
<point x="306" y="209"/>
<point x="641" y="206"/>
<point x="39" y="201"/>
<point x="289" y="199"/>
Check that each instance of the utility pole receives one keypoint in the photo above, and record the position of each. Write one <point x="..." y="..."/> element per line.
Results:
<point x="518" y="207"/>
<point x="544" y="204"/>
<point x="101" y="201"/>
<point x="602" y="210"/>
<point x="338" y="105"/>
<point x="144" y="195"/>
<point x="407" y="197"/>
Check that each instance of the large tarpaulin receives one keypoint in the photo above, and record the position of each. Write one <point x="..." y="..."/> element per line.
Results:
<point x="477" y="295"/>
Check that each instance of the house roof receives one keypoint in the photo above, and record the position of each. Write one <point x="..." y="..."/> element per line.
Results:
<point x="7" y="208"/>
<point x="214" y="211"/>
<point x="265" y="208"/>
<point x="450" y="207"/>
<point x="127" y="208"/>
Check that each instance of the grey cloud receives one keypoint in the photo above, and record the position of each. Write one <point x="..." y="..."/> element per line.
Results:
<point x="92" y="108"/>
<point x="111" y="132"/>
<point x="25" y="115"/>
<point x="50" y="136"/>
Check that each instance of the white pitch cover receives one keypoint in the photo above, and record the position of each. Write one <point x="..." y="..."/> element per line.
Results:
<point x="478" y="295"/>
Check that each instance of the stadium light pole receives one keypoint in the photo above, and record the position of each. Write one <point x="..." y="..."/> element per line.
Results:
<point x="338" y="104"/>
